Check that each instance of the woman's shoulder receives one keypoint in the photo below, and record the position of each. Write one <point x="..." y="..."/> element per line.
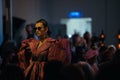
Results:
<point x="29" y="40"/>
<point x="50" y="39"/>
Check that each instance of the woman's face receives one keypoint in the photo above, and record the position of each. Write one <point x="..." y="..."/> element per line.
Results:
<point x="40" y="30"/>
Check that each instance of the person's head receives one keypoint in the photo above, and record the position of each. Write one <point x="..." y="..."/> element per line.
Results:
<point x="87" y="70"/>
<point x="41" y="28"/>
<point x="87" y="35"/>
<point x="75" y="38"/>
<point x="72" y="72"/>
<point x="91" y="56"/>
<point x="112" y="49"/>
<point x="29" y="28"/>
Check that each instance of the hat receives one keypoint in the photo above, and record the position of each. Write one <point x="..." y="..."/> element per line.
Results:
<point x="112" y="46"/>
<point x="91" y="53"/>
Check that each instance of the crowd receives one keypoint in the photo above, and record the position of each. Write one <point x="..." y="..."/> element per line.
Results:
<point x="40" y="57"/>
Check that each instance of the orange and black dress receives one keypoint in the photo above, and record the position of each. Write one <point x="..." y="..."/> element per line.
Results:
<point x="33" y="61"/>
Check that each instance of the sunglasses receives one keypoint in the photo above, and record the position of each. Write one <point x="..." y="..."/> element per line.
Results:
<point x="39" y="28"/>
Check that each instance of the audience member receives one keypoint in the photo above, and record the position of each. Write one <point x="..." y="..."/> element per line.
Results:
<point x="52" y="70"/>
<point x="91" y="58"/>
<point x="87" y="70"/>
<point x="110" y="70"/>
<point x="72" y="72"/>
<point x="12" y="72"/>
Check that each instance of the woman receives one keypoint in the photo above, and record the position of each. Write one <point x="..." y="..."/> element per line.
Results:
<point x="91" y="57"/>
<point x="33" y="53"/>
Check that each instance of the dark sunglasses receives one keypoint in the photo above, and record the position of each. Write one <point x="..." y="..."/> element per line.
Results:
<point x="39" y="28"/>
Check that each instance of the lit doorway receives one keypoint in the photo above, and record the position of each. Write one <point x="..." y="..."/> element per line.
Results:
<point x="77" y="25"/>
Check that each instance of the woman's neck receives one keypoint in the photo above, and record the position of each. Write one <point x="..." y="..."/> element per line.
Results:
<point x="43" y="38"/>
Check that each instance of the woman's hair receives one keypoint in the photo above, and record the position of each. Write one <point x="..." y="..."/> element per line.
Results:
<point x="45" y="23"/>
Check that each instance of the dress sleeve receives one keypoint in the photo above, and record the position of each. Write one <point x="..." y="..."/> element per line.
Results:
<point x="21" y="55"/>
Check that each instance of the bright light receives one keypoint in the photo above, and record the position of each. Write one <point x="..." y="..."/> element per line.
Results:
<point x="77" y="25"/>
<point x="118" y="36"/>
<point x="118" y="45"/>
<point x="69" y="36"/>
<point x="74" y="15"/>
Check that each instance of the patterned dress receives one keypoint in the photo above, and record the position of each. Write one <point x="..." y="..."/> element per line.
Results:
<point x="33" y="61"/>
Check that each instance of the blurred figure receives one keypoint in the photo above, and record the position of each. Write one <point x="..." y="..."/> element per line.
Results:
<point x="109" y="53"/>
<point x="91" y="58"/>
<point x="79" y="47"/>
<point x="110" y="70"/>
<point x="52" y="70"/>
<point x="72" y="72"/>
<point x="101" y="56"/>
<point x="94" y="42"/>
<point x="108" y="56"/>
<point x="12" y="72"/>
<point x="87" y="70"/>
<point x="112" y="49"/>
<point x="11" y="57"/>
<point x="9" y="52"/>
<point x="30" y="31"/>
<point x="87" y="37"/>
